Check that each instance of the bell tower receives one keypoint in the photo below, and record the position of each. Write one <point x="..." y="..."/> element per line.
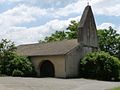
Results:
<point x="87" y="32"/>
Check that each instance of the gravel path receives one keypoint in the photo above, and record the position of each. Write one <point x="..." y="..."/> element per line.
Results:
<point x="17" y="83"/>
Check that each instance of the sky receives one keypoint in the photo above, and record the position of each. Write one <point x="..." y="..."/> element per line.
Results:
<point x="27" y="21"/>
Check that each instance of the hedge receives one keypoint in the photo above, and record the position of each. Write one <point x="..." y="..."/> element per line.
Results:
<point x="100" y="65"/>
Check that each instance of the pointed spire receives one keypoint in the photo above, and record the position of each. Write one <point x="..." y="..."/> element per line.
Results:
<point x="87" y="32"/>
<point x="87" y="15"/>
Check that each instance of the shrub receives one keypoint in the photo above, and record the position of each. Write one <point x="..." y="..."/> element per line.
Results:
<point x="100" y="65"/>
<point x="9" y="60"/>
<point x="17" y="73"/>
<point x="14" y="61"/>
<point x="22" y="64"/>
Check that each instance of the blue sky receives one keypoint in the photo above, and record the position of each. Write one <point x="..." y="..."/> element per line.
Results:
<point x="27" y="21"/>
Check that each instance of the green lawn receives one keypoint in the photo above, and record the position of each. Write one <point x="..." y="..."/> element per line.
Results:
<point x="117" y="88"/>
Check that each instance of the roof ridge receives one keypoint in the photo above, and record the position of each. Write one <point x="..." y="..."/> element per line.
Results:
<point x="47" y="42"/>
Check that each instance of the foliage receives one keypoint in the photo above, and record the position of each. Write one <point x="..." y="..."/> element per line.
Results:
<point x="100" y="65"/>
<point x="70" y="33"/>
<point x="57" y="36"/>
<point x="10" y="61"/>
<point x="7" y="46"/>
<point x="72" y="30"/>
<point x="109" y="41"/>
<point x="17" y="72"/>
<point x="20" y="63"/>
<point x="6" y="49"/>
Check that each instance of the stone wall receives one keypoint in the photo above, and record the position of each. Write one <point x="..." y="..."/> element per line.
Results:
<point x="87" y="31"/>
<point x="72" y="62"/>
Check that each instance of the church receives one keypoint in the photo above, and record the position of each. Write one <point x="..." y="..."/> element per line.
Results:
<point x="61" y="58"/>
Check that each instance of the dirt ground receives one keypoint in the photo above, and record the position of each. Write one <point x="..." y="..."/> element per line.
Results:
<point x="18" y="83"/>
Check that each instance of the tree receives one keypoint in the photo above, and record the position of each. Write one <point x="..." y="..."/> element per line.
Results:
<point x="57" y="36"/>
<point x="109" y="41"/>
<point x="72" y="30"/>
<point x="69" y="33"/>
<point x="6" y="49"/>
<point x="20" y="64"/>
<point x="11" y="63"/>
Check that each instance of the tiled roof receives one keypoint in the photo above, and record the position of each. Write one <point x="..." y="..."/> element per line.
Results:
<point x="43" y="49"/>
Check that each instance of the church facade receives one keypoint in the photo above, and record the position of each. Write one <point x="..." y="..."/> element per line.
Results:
<point x="61" y="58"/>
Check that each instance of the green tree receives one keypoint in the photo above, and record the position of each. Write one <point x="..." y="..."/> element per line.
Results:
<point x="109" y="41"/>
<point x="57" y="36"/>
<point x="69" y="33"/>
<point x="6" y="49"/>
<point x="21" y="64"/>
<point x="72" y="30"/>
<point x="10" y="61"/>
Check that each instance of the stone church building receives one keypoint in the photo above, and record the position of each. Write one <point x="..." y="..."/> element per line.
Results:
<point x="61" y="58"/>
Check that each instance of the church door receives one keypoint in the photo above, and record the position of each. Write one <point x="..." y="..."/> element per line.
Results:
<point x="47" y="69"/>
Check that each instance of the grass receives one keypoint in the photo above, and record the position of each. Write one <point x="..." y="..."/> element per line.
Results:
<point x="117" y="88"/>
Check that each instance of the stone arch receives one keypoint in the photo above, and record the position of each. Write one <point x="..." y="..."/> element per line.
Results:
<point x="47" y="69"/>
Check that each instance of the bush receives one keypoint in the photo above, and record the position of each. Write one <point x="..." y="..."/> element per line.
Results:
<point x="14" y="61"/>
<point x="100" y="65"/>
<point x="22" y="64"/>
<point x="9" y="60"/>
<point x="17" y="73"/>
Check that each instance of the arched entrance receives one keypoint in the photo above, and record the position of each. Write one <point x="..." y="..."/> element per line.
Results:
<point x="47" y="69"/>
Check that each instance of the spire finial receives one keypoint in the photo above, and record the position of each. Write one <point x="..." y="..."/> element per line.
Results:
<point x="88" y="2"/>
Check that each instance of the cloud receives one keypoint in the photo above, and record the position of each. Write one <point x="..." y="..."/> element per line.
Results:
<point x="41" y="3"/>
<point x="111" y="10"/>
<point x="106" y="26"/>
<point x="20" y="14"/>
<point x="11" y="21"/>
<point x="1" y="1"/>
<point x="118" y="30"/>
<point x="23" y="35"/>
<point x="109" y="7"/>
<point x="76" y="7"/>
